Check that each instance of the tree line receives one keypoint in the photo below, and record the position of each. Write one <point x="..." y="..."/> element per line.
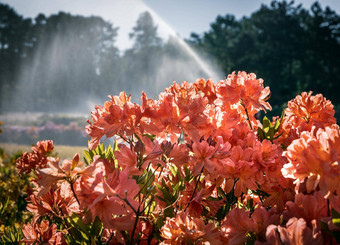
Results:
<point x="64" y="62"/>
<point x="293" y="49"/>
<point x="51" y="63"/>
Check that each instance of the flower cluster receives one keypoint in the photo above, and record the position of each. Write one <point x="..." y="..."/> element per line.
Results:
<point x="196" y="166"/>
<point x="194" y="109"/>
<point x="36" y="159"/>
<point x="42" y="233"/>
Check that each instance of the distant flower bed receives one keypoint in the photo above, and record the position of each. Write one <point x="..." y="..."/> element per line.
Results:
<point x="195" y="166"/>
<point x="70" y="134"/>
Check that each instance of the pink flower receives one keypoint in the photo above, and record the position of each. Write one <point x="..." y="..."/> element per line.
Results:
<point x="245" y="170"/>
<point x="36" y="159"/>
<point x="315" y="157"/>
<point x="203" y="153"/>
<point x="304" y="112"/>
<point x="107" y="195"/>
<point x="195" y="201"/>
<point x="60" y="201"/>
<point x="262" y="219"/>
<point x="127" y="159"/>
<point x="297" y="232"/>
<point x="42" y="233"/>
<point x="184" y="229"/>
<point x="247" y="91"/>
<point x="118" y="115"/>
<point x="308" y="207"/>
<point x="177" y="154"/>
<point x="236" y="226"/>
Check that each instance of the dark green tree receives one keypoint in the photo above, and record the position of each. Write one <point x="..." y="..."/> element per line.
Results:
<point x="141" y="61"/>
<point x="292" y="49"/>
<point x="72" y="60"/>
<point x="15" y="46"/>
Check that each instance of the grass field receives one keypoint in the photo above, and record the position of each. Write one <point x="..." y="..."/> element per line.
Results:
<point x="63" y="151"/>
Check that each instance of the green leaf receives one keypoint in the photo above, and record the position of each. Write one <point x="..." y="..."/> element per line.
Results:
<point x="221" y="213"/>
<point x="271" y="133"/>
<point x="277" y="126"/>
<point x="173" y="170"/>
<point x="335" y="214"/>
<point x="177" y="187"/>
<point x="166" y="193"/>
<point x="335" y="217"/>
<point x="87" y="157"/>
<point x="76" y="222"/>
<point x="221" y="192"/>
<point x="336" y="222"/>
<point x="261" y="133"/>
<point x="109" y="152"/>
<point x="266" y="124"/>
<point x="169" y="212"/>
<point x="102" y="149"/>
<point x="96" y="227"/>
<point x="161" y="198"/>
<point x="188" y="175"/>
<point x="150" y="136"/>
<point x="140" y="179"/>
<point x="115" y="147"/>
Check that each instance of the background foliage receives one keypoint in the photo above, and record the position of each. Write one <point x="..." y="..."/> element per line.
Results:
<point x="293" y="49"/>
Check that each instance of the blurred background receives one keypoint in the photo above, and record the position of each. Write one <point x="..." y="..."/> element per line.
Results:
<point x="60" y="58"/>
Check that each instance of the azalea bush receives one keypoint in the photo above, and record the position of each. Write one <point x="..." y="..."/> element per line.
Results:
<point x="196" y="166"/>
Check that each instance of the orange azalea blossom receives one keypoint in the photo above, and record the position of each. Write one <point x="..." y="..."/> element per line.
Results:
<point x="196" y="201"/>
<point x="209" y="155"/>
<point x="118" y="115"/>
<point x="314" y="158"/>
<point x="335" y="202"/>
<point x="105" y="194"/>
<point x="308" y="207"/>
<point x="189" y="108"/>
<point x="223" y="122"/>
<point x="245" y="170"/>
<point x="112" y="237"/>
<point x="269" y="157"/>
<point x="42" y="233"/>
<point x="278" y="194"/>
<point x="152" y="152"/>
<point x="297" y="232"/>
<point x="177" y="154"/>
<point x="184" y="229"/>
<point x="54" y="173"/>
<point x="236" y="226"/>
<point x="160" y="117"/>
<point x="147" y="237"/>
<point x="36" y="159"/>
<point x="59" y="201"/>
<point x="208" y="88"/>
<point x="127" y="159"/>
<point x="247" y="92"/>
<point x="203" y="153"/>
<point x="262" y="219"/>
<point x="304" y="112"/>
<point x="191" y="104"/>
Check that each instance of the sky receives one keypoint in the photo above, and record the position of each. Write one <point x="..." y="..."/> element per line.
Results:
<point x="180" y="17"/>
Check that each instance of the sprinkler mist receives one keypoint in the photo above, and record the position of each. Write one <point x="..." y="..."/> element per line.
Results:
<point x="66" y="76"/>
<point x="210" y="71"/>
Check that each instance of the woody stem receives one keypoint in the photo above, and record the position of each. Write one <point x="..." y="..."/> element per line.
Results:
<point x="247" y="114"/>
<point x="193" y="193"/>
